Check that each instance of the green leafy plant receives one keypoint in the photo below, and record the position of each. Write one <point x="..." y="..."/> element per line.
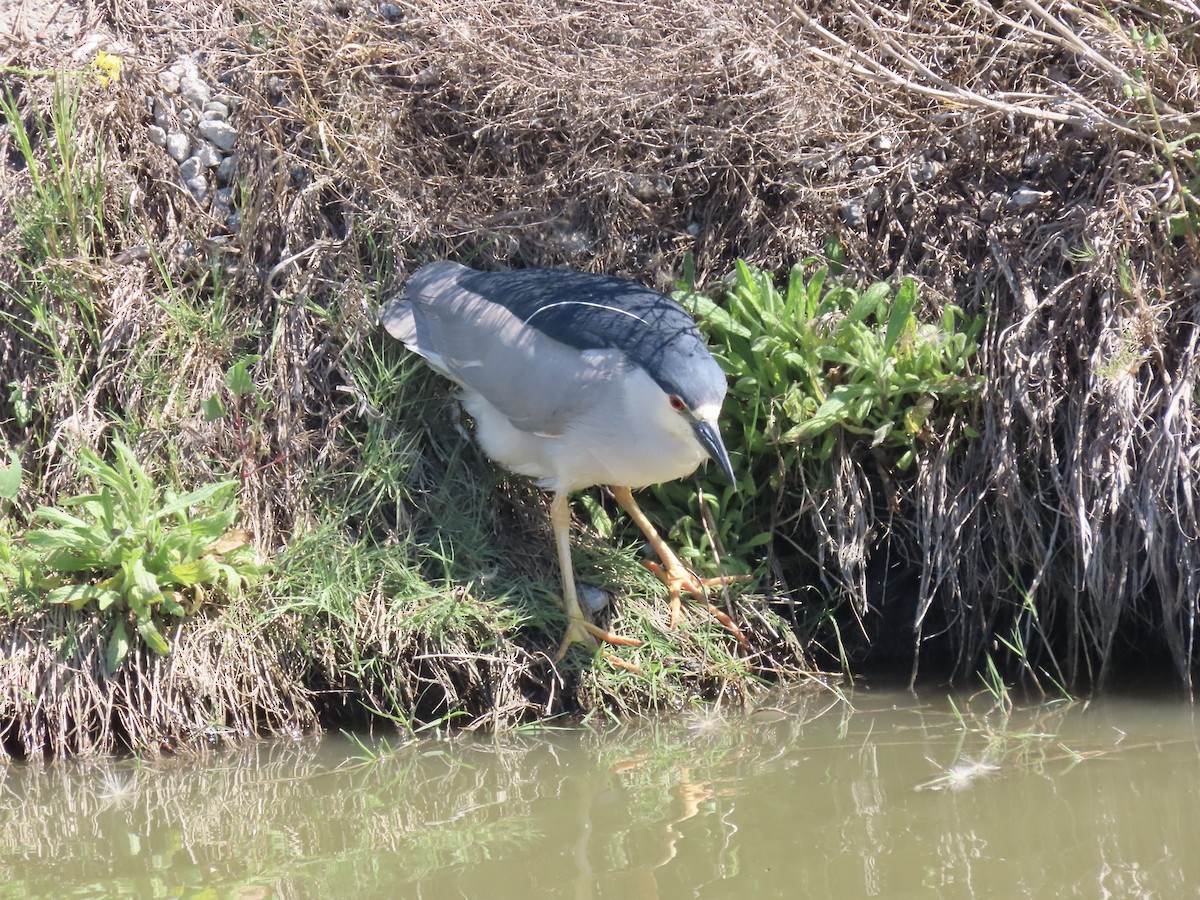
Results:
<point x="240" y="385"/>
<point x="243" y="406"/>
<point x="817" y="363"/>
<point x="136" y="550"/>
<point x="10" y="478"/>
<point x="822" y="357"/>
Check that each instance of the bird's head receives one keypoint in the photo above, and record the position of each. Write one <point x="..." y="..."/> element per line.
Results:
<point x="694" y="388"/>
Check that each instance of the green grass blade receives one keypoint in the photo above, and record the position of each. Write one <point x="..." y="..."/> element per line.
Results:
<point x="901" y="313"/>
<point x="192" y="498"/>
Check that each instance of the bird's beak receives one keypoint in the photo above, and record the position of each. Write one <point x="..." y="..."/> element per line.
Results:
<point x="710" y="440"/>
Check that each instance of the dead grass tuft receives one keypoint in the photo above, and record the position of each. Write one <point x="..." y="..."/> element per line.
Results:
<point x="226" y="679"/>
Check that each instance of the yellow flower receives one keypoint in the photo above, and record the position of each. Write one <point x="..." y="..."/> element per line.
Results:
<point x="107" y="66"/>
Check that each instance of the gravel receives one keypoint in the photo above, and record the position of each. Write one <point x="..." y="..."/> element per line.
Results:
<point x="191" y="123"/>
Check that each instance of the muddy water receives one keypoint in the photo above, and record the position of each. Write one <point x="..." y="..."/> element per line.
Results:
<point x="885" y="796"/>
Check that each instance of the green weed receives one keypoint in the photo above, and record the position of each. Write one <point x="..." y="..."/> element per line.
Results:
<point x="10" y="479"/>
<point x="817" y="363"/>
<point x="823" y="357"/>
<point x="63" y="215"/>
<point x="1041" y="672"/>
<point x="133" y="549"/>
<point x="60" y="229"/>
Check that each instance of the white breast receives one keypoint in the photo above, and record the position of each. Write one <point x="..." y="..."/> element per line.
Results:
<point x="632" y="438"/>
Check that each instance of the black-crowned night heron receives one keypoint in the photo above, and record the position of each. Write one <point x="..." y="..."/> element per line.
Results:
<point x="576" y="380"/>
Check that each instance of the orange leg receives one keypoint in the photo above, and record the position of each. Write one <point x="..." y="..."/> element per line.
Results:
<point x="678" y="578"/>
<point x="579" y="628"/>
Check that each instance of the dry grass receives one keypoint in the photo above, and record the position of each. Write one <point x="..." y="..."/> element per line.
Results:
<point x="225" y="679"/>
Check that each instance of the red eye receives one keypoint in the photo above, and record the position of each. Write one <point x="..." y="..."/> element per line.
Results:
<point x="676" y="403"/>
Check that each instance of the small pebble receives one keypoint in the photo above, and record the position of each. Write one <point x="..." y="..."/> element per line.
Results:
<point x="883" y="142"/>
<point x="592" y="598"/>
<point x="1035" y="160"/>
<point x="164" y="109"/>
<point x="223" y="202"/>
<point x="216" y="110"/>
<point x="194" y="91"/>
<point x="189" y="169"/>
<point x="234" y="222"/>
<point x="926" y="171"/>
<point x="389" y="10"/>
<point x="208" y="155"/>
<point x="157" y="136"/>
<point x="178" y="146"/>
<point x="227" y="168"/>
<point x="198" y="187"/>
<point x="222" y="134"/>
<point x="169" y="81"/>
<point x="853" y="213"/>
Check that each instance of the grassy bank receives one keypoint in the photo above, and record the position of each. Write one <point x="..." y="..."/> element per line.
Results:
<point x="961" y="349"/>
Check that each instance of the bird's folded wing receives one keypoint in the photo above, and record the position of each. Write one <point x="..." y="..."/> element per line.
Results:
<point x="540" y="384"/>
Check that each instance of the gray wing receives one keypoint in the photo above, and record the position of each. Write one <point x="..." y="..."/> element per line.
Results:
<point x="539" y="383"/>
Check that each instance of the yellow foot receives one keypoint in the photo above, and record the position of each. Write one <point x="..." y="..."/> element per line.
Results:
<point x="680" y="581"/>
<point x="581" y="631"/>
